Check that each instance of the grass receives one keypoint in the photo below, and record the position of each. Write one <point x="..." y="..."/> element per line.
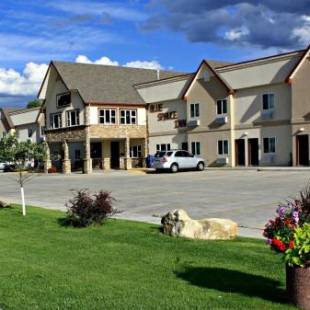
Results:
<point x="129" y="265"/>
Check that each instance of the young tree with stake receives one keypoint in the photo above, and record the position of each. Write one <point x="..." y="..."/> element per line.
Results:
<point x="18" y="154"/>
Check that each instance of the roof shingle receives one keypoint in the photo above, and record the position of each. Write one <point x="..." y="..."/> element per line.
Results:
<point x="107" y="84"/>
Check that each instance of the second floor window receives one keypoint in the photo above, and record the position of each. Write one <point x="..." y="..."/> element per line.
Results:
<point x="107" y="116"/>
<point x="268" y="102"/>
<point x="73" y="118"/>
<point x="221" y="107"/>
<point x="269" y="145"/>
<point x="194" y="110"/>
<point x="222" y="147"/>
<point x="55" y="121"/>
<point x="196" y="148"/>
<point x="128" y="117"/>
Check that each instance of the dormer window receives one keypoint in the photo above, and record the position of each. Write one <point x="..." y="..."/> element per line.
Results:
<point x="63" y="100"/>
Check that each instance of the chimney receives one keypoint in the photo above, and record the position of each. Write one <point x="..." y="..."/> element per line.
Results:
<point x="158" y="74"/>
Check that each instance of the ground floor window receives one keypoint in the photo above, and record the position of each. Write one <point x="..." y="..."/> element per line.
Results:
<point x="222" y="147"/>
<point x="196" y="148"/>
<point x="163" y="147"/>
<point x="269" y="145"/>
<point x="136" y="151"/>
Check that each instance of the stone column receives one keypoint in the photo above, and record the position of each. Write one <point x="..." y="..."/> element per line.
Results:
<point x="145" y="151"/>
<point x="66" y="163"/>
<point x="106" y="155"/>
<point x="87" y="159"/>
<point x="128" y="163"/>
<point x="47" y="161"/>
<point x="88" y="168"/>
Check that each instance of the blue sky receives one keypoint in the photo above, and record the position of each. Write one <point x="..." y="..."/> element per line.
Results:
<point x="148" y="33"/>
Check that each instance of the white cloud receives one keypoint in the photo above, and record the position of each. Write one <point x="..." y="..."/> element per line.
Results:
<point x="236" y="34"/>
<point x="115" y="10"/>
<point x="302" y="33"/>
<point x="14" y="83"/>
<point x="27" y="83"/>
<point x="101" y="61"/>
<point x="153" y="64"/>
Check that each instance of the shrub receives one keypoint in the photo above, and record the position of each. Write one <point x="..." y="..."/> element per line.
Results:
<point x="52" y="170"/>
<point x="86" y="209"/>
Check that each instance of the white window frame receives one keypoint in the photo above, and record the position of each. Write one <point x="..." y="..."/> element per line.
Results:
<point x="159" y="147"/>
<point x="63" y="94"/>
<point x="69" y="117"/>
<point x="275" y="145"/>
<point x="131" y="117"/>
<point x="223" y="154"/>
<point x="136" y="150"/>
<point x="52" y="123"/>
<point x="195" y="105"/>
<point x="221" y="102"/>
<point x="274" y="101"/>
<point x="194" y="149"/>
<point x="102" y="118"/>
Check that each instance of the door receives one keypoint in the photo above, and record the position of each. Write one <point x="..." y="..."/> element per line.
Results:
<point x="115" y="155"/>
<point x="190" y="161"/>
<point x="180" y="159"/>
<point x="302" y="144"/>
<point x="240" y="152"/>
<point x="253" y="148"/>
<point x="96" y="154"/>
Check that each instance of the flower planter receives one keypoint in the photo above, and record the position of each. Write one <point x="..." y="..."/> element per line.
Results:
<point x="298" y="285"/>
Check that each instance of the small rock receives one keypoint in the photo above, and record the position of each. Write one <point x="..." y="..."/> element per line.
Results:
<point x="4" y="205"/>
<point x="178" y="223"/>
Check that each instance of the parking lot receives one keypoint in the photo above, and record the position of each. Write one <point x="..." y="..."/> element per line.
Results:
<point x="248" y="197"/>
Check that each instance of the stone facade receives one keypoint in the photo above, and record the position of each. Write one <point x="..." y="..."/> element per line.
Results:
<point x="68" y="134"/>
<point x="117" y="131"/>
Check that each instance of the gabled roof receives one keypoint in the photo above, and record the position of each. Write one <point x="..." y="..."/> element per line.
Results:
<point x="24" y="116"/>
<point x="262" y="71"/>
<point x="298" y="65"/>
<point x="101" y="83"/>
<point x="17" y="117"/>
<point x="6" y="115"/>
<point x="211" y="64"/>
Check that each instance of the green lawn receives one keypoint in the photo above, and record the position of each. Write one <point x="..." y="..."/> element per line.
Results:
<point x="129" y="265"/>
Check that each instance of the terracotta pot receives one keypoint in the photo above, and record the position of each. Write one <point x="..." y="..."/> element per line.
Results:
<point x="298" y="285"/>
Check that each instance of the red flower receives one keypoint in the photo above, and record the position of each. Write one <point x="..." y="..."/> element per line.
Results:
<point x="279" y="245"/>
<point x="291" y="244"/>
<point x="287" y="222"/>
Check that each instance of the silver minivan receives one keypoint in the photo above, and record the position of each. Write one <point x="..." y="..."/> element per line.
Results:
<point x="176" y="160"/>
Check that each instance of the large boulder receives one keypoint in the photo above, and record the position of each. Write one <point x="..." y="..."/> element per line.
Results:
<point x="178" y="223"/>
